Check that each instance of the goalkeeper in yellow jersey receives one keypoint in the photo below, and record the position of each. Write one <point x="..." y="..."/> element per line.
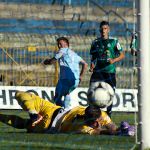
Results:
<point x="84" y="120"/>
<point x="40" y="113"/>
<point x="46" y="117"/>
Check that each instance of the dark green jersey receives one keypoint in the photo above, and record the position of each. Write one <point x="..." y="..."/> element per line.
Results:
<point x="101" y="51"/>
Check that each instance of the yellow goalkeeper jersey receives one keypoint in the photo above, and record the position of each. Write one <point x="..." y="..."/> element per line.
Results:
<point x="34" y="104"/>
<point x="73" y="121"/>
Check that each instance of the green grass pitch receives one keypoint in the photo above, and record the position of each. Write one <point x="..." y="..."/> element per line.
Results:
<point x="18" y="139"/>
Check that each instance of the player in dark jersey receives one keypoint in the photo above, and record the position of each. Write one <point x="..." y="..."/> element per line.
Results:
<point x="105" y="52"/>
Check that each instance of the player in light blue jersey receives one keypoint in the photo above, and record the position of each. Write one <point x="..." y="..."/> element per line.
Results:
<point x="70" y="74"/>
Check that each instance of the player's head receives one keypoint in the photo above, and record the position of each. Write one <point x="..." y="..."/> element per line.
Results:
<point x="92" y="113"/>
<point x="104" y="29"/>
<point x="62" y="42"/>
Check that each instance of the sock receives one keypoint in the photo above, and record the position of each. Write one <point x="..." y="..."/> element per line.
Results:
<point x="67" y="103"/>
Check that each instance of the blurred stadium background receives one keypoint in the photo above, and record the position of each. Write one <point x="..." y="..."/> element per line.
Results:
<point x="29" y="28"/>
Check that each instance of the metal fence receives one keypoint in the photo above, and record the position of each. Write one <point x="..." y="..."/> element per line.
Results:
<point x="24" y="66"/>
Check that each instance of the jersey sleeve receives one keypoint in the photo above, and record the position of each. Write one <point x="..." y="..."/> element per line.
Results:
<point x="118" y="46"/>
<point x="58" y="55"/>
<point x="78" y="58"/>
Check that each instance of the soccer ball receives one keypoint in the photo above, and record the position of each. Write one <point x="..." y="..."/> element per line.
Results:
<point x="100" y="94"/>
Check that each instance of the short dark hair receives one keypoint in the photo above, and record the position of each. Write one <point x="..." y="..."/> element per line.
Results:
<point x="104" y="23"/>
<point x="64" y="39"/>
<point x="92" y="112"/>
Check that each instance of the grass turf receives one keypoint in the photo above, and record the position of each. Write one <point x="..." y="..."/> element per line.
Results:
<point x="18" y="139"/>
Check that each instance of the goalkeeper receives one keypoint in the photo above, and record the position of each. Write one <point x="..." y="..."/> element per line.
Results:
<point x="40" y="113"/>
<point x="46" y="117"/>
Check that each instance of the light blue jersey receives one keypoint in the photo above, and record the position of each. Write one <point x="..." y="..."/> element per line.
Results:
<point x="69" y="76"/>
<point x="69" y="64"/>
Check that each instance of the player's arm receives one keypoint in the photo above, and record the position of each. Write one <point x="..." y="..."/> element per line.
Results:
<point x="120" y="54"/>
<point x="49" y="61"/>
<point x="89" y="130"/>
<point x="83" y="68"/>
<point x="35" y="117"/>
<point x="99" y="131"/>
<point x="110" y="129"/>
<point x="117" y="59"/>
<point x="93" y="62"/>
<point x="54" y="59"/>
<point x="94" y="54"/>
<point x="26" y="101"/>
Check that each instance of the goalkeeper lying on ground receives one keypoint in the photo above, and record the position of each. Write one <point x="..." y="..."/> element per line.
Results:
<point x="46" y="117"/>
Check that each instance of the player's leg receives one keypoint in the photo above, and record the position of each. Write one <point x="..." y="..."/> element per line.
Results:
<point x="67" y="100"/>
<point x="58" y="94"/>
<point x="14" y="121"/>
<point x="110" y="78"/>
<point x="70" y="85"/>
